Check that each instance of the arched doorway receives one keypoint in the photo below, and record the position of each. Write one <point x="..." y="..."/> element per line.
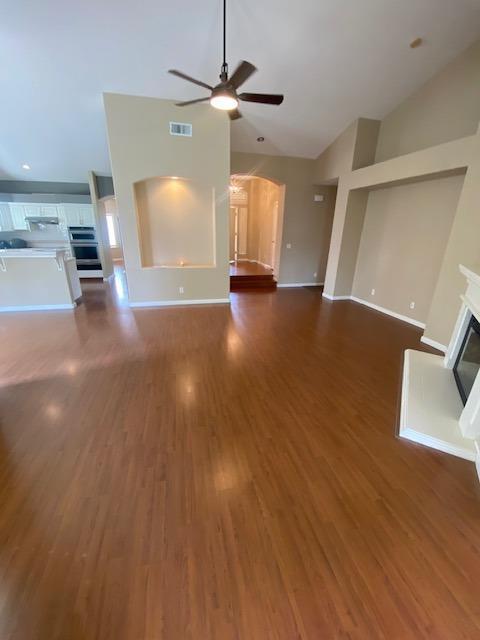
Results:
<point x="256" y="224"/>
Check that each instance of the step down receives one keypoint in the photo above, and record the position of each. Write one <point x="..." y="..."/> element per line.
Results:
<point x="265" y="282"/>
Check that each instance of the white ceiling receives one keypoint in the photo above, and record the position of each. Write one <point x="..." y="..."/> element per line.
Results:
<point x="334" y="60"/>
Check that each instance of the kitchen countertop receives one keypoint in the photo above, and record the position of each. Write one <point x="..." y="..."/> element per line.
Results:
<point x="33" y="252"/>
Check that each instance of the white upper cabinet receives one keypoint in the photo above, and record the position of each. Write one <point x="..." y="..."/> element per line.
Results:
<point x="13" y="214"/>
<point x="87" y="216"/>
<point x="6" y="223"/>
<point x="18" y="214"/>
<point x="49" y="210"/>
<point x="79" y="215"/>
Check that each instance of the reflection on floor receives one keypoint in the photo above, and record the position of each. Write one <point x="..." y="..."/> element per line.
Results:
<point x="224" y="473"/>
<point x="114" y="290"/>
<point x="251" y="276"/>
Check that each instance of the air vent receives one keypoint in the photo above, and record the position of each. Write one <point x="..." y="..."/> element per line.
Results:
<point x="181" y="129"/>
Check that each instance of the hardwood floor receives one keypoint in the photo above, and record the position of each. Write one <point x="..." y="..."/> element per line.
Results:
<point x="244" y="268"/>
<point x="251" y="276"/>
<point x="216" y="473"/>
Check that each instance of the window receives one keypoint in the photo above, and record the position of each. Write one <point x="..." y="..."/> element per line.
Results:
<point x="112" y="234"/>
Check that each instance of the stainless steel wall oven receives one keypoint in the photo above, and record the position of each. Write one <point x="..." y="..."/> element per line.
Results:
<point x="83" y="241"/>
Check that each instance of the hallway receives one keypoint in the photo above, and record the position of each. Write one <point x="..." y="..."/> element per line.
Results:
<point x="224" y="473"/>
<point x="249" y="269"/>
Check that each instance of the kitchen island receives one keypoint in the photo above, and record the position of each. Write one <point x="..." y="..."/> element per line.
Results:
<point x="37" y="279"/>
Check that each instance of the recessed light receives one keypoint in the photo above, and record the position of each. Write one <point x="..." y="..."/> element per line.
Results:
<point x="26" y="167"/>
<point x="260" y="139"/>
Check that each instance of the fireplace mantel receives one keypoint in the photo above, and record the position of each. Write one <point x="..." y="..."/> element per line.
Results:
<point x="432" y="412"/>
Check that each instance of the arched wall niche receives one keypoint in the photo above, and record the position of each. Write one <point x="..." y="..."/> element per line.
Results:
<point x="176" y="222"/>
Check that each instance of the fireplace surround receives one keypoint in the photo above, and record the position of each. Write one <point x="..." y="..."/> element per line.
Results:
<point x="440" y="405"/>
<point x="467" y="365"/>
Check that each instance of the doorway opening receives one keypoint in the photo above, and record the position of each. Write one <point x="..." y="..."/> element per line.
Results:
<point x="109" y="207"/>
<point x="256" y="224"/>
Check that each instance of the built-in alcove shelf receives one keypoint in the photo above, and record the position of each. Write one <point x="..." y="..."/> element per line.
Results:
<point x="176" y="223"/>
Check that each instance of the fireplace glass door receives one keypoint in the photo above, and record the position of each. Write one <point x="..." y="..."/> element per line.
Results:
<point x="468" y="361"/>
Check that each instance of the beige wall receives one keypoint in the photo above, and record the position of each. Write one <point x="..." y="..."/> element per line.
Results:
<point x="337" y="158"/>
<point x="444" y="113"/>
<point x="404" y="236"/>
<point x="141" y="147"/>
<point x="175" y="222"/>
<point x="37" y="282"/>
<point x="463" y="247"/>
<point x="353" y="148"/>
<point x="445" y="108"/>
<point x="306" y="224"/>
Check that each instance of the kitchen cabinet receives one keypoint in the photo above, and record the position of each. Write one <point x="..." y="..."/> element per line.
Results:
<point x="79" y="215"/>
<point x="6" y="223"/>
<point x="13" y="214"/>
<point x="17" y="212"/>
<point x="49" y="211"/>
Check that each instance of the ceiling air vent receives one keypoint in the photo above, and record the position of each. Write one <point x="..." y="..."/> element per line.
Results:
<point x="181" y="129"/>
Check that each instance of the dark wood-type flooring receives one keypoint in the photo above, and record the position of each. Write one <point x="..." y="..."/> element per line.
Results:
<point x="251" y="276"/>
<point x="244" y="268"/>
<point x="224" y="473"/>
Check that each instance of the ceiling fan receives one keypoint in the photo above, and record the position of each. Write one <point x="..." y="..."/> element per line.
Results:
<point x="224" y="95"/>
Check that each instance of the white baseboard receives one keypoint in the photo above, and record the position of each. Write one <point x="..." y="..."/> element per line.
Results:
<point x="299" y="284"/>
<point x="264" y="264"/>
<point x="39" y="307"/>
<point x="329" y="297"/>
<point x="434" y="344"/>
<point x="435" y="443"/>
<point x="376" y="307"/>
<point x="387" y="312"/>
<point x="178" y="303"/>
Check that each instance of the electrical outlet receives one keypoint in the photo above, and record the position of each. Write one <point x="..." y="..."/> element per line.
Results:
<point x="289" y="246"/>
<point x="372" y="292"/>
<point x="315" y="274"/>
<point x="412" y="305"/>
<point x="180" y="290"/>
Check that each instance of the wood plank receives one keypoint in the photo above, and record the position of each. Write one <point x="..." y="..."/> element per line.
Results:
<point x="215" y="473"/>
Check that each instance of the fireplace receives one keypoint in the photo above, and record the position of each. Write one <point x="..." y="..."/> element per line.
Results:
<point x="467" y="364"/>
<point x="441" y="395"/>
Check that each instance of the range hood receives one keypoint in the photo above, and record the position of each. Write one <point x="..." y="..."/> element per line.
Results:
<point x="41" y="222"/>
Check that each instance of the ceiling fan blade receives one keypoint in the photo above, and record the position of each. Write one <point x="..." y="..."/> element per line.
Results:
<point x="184" y="76"/>
<point x="263" y="98"/>
<point x="241" y="74"/>
<point x="184" y="104"/>
<point x="234" y="114"/>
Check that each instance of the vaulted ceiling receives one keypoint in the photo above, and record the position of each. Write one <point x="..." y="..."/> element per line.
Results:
<point x="334" y="60"/>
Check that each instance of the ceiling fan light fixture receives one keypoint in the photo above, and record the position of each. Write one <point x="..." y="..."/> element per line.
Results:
<point x="224" y="101"/>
